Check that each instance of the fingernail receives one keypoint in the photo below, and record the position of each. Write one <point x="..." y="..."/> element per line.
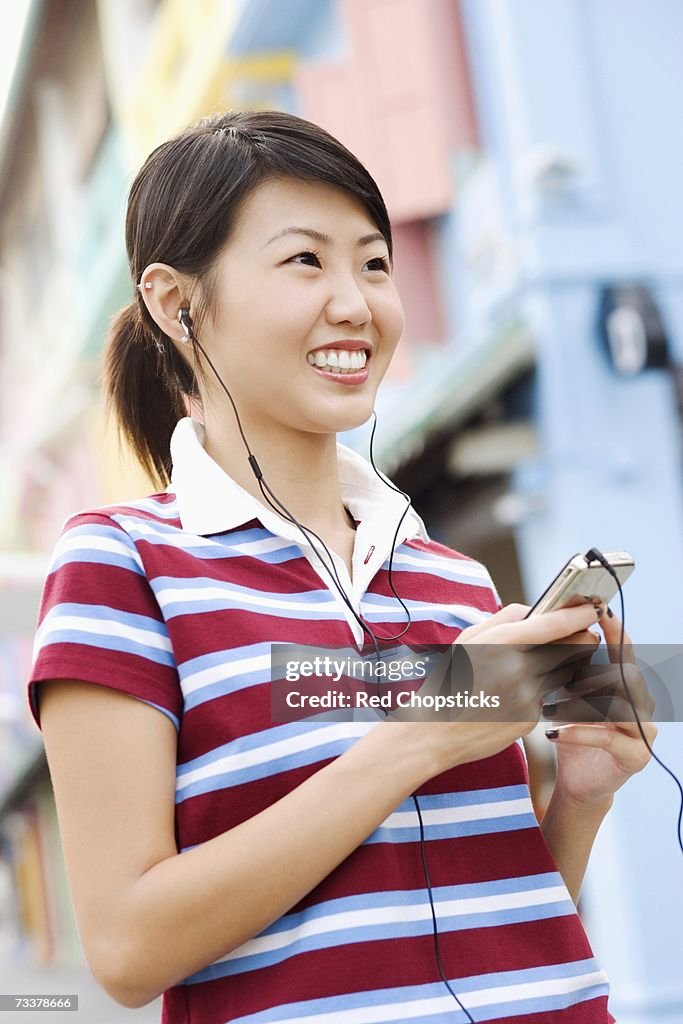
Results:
<point x="599" y="609"/>
<point x="548" y="710"/>
<point x="610" y="613"/>
<point x="552" y="734"/>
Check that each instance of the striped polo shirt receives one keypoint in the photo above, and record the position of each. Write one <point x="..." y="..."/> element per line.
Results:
<point x="175" y="599"/>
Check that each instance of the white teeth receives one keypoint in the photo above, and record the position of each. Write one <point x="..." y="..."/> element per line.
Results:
<point x="338" y="360"/>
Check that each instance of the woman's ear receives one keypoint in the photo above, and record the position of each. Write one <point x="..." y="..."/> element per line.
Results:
<point x="164" y="292"/>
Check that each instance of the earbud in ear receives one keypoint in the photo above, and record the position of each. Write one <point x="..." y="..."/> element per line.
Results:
<point x="186" y="323"/>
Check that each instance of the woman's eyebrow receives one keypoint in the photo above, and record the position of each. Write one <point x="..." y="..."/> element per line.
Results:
<point x="319" y="236"/>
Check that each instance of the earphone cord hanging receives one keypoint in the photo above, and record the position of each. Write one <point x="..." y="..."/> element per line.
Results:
<point x="596" y="556"/>
<point x="331" y="568"/>
<point x="186" y="322"/>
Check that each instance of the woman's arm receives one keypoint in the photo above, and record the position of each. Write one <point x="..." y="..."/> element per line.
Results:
<point x="148" y="916"/>
<point x="570" y="832"/>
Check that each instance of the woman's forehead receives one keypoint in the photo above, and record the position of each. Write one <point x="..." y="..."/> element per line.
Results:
<point x="278" y="205"/>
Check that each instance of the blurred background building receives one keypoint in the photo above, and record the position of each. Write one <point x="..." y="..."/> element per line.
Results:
<point x="530" y="161"/>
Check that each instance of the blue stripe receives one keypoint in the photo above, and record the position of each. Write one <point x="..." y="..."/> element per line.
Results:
<point x="257" y="741"/>
<point x="96" y="557"/>
<point x="455" y="830"/>
<point x="233" y="680"/>
<point x="393" y="929"/>
<point x="404" y="994"/>
<point x="273" y="767"/>
<point x="540" y="1004"/>
<point x="320" y="604"/>
<point x="416" y="897"/>
<point x="439" y="565"/>
<point x="219" y="545"/>
<point x="378" y="608"/>
<point x="97" y="613"/>
<point x="165" y="510"/>
<point x="109" y="643"/>
<point x="267" y="738"/>
<point x="103" y="612"/>
<point x="221" y="688"/>
<point x="381" y="932"/>
<point x="84" y="553"/>
<point x="470" y="797"/>
<point x="169" y="714"/>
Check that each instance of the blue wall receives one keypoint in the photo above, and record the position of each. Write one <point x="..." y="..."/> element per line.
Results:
<point x="595" y="84"/>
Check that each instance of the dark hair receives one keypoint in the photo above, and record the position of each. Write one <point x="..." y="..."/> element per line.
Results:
<point x="182" y="209"/>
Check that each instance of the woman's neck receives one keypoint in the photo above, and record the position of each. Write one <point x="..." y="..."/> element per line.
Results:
<point x="300" y="469"/>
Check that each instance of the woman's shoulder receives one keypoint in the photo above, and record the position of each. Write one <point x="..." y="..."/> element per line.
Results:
<point x="437" y="551"/>
<point x="455" y="567"/>
<point x="160" y="507"/>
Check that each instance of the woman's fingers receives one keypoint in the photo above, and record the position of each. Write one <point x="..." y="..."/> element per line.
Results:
<point x="594" y="678"/>
<point x="602" y="707"/>
<point x="611" y="628"/>
<point x="509" y="613"/>
<point x="573" y="651"/>
<point x="618" y="740"/>
<point x="559" y="625"/>
<point x="510" y="626"/>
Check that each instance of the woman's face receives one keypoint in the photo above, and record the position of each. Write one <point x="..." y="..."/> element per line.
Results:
<point x="286" y="301"/>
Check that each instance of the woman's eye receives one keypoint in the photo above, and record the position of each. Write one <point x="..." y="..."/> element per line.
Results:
<point x="383" y="263"/>
<point x="381" y="260"/>
<point x="307" y="252"/>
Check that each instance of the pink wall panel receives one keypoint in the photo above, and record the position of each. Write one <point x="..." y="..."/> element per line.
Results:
<point x="416" y="283"/>
<point x="400" y="101"/>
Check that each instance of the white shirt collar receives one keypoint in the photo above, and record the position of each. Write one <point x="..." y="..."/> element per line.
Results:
<point x="210" y="501"/>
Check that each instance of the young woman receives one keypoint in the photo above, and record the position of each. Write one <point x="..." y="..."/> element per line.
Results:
<point x="322" y="870"/>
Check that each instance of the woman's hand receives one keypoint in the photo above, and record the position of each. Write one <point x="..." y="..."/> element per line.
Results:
<point x="594" y="759"/>
<point x="507" y="657"/>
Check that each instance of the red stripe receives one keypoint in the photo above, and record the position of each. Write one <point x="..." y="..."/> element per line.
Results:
<point x="393" y="963"/>
<point x="235" y="804"/>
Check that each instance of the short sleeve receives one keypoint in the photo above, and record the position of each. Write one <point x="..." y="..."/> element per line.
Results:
<point x="99" y="620"/>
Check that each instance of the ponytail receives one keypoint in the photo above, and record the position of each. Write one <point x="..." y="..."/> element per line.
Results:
<point x="146" y="384"/>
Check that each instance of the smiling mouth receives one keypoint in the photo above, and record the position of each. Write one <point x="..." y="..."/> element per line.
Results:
<point x="338" y="361"/>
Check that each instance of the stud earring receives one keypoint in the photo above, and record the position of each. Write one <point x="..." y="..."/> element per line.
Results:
<point x="148" y="284"/>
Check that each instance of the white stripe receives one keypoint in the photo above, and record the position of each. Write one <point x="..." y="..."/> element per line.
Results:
<point x="166" y="510"/>
<point x="171" y="535"/>
<point x="474" y="569"/>
<point x="208" y="593"/>
<point x="255" y="547"/>
<point x="533" y="989"/>
<point x="415" y="1010"/>
<point x="466" y="812"/>
<point x="179" y="539"/>
<point x="225" y="670"/>
<point x="398" y="914"/>
<point x="100" y="627"/>
<point x="294" y="744"/>
<point x="460" y="611"/>
<point x="443" y="1004"/>
<point x="69" y="542"/>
